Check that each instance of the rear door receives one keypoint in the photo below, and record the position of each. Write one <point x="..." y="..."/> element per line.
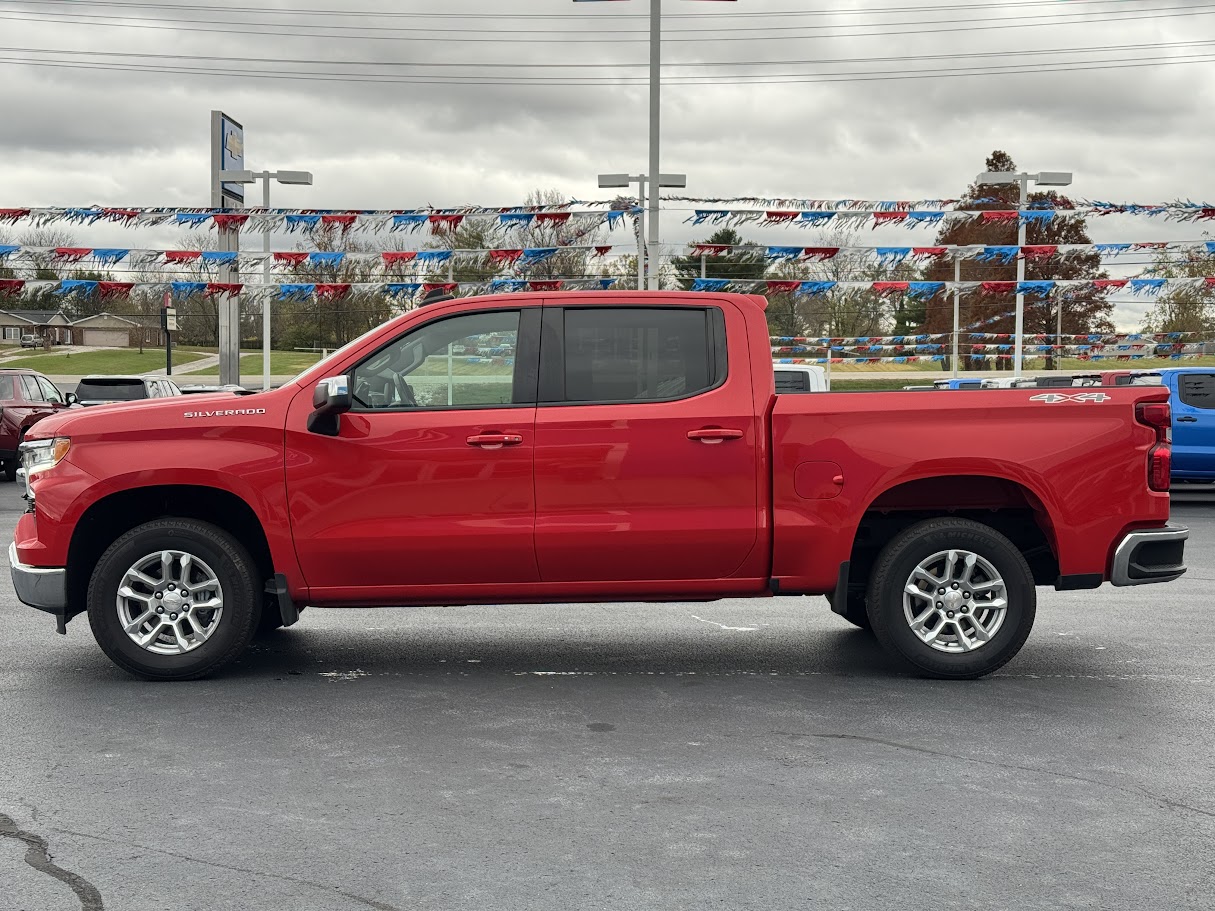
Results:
<point x="647" y="446"/>
<point x="1193" y="424"/>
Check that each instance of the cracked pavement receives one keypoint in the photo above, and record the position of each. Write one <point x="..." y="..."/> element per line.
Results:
<point x="737" y="754"/>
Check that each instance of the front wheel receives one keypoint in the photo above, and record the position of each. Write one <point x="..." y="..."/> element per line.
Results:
<point x="174" y="599"/>
<point x="952" y="597"/>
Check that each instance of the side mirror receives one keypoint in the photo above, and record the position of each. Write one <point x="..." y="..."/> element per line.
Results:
<point x="70" y="399"/>
<point x="330" y="400"/>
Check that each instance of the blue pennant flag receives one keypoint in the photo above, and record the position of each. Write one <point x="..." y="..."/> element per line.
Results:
<point x="508" y="284"/>
<point x="1111" y="249"/>
<point x="1036" y="289"/>
<point x="614" y="216"/>
<point x="605" y="283"/>
<point x="1211" y="246"/>
<point x="924" y="290"/>
<point x="925" y="218"/>
<point x="710" y="284"/>
<point x="814" y="289"/>
<point x="701" y="215"/>
<point x="1003" y="254"/>
<point x="1146" y="286"/>
<point x="536" y="255"/>
<point x="85" y="215"/>
<point x="192" y="219"/>
<point x="71" y="286"/>
<point x="295" y="292"/>
<point x="6" y="249"/>
<point x="219" y="256"/>
<point x="185" y="289"/>
<point x="298" y="222"/>
<point x="892" y="256"/>
<point x="409" y="221"/>
<point x="523" y="218"/>
<point x="1037" y="216"/>
<point x="816" y="219"/>
<point x="434" y="256"/>
<point x="326" y="259"/>
<point x="784" y="252"/>
<point x="108" y="257"/>
<point x="396" y="289"/>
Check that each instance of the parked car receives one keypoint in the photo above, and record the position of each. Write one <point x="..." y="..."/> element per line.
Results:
<point x="26" y="397"/>
<point x="643" y="454"/>
<point x="201" y="388"/>
<point x="31" y="341"/>
<point x="1192" y="397"/>
<point x="105" y="390"/>
<point x="799" y="378"/>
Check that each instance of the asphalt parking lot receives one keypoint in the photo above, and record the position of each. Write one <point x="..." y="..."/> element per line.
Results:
<point x="734" y="755"/>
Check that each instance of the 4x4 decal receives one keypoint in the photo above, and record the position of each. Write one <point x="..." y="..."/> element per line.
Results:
<point x="1052" y="398"/>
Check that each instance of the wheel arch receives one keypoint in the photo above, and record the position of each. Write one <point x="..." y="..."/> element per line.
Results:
<point x="111" y="516"/>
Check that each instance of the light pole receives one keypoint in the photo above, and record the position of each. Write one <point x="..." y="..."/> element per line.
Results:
<point x="302" y="178"/>
<point x="1042" y="179"/>
<point x="613" y="181"/>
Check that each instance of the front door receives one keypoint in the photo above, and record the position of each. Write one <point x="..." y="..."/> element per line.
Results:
<point x="429" y="480"/>
<point x="646" y="446"/>
<point x="1194" y="424"/>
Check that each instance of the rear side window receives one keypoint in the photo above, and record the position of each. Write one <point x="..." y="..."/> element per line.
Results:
<point x="6" y="386"/>
<point x="792" y="381"/>
<point x="639" y="354"/>
<point x="114" y="391"/>
<point x="1197" y="389"/>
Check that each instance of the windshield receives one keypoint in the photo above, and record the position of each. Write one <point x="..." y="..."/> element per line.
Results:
<point x="111" y="390"/>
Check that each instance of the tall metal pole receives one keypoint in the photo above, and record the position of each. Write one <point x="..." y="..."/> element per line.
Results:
<point x="655" y="109"/>
<point x="957" y="307"/>
<point x="1019" y="339"/>
<point x="265" y="289"/>
<point x="1058" y="332"/>
<point x="641" y="251"/>
<point x="702" y="266"/>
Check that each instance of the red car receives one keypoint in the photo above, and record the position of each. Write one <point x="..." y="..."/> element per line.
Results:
<point x="631" y="447"/>
<point x="26" y="397"/>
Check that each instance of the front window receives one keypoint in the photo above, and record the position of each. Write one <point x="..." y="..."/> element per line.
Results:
<point x="463" y="361"/>
<point x="49" y="392"/>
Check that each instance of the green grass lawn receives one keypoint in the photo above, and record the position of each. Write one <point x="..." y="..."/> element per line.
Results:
<point x="282" y="363"/>
<point x="58" y="362"/>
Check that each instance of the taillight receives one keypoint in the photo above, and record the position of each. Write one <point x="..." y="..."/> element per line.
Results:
<point x="1160" y="466"/>
<point x="1158" y="416"/>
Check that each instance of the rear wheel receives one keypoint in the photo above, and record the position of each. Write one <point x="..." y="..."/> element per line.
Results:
<point x="952" y="597"/>
<point x="174" y="599"/>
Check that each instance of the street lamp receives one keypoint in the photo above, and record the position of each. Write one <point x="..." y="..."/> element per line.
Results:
<point x="298" y="178"/>
<point x="615" y="181"/>
<point x="1042" y="179"/>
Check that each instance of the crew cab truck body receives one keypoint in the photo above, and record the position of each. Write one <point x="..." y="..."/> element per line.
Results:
<point x="630" y="446"/>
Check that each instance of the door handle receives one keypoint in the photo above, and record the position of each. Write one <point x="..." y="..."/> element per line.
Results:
<point x="714" y="434"/>
<point x="1187" y="419"/>
<point x="494" y="440"/>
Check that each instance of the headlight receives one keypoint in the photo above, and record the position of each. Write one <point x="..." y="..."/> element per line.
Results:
<point x="41" y="455"/>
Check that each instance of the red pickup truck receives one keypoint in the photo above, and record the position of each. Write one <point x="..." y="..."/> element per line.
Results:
<point x="587" y="447"/>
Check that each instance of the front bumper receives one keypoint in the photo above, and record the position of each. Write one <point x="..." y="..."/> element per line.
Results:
<point x="1150" y="555"/>
<point x="45" y="589"/>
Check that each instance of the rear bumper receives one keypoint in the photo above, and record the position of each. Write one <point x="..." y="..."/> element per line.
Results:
<point x="45" y="589"/>
<point x="1150" y="555"/>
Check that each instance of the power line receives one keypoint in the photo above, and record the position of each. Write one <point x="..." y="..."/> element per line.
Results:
<point x="481" y="65"/>
<point x="1111" y="17"/>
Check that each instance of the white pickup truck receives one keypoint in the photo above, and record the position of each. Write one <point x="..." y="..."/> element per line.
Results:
<point x="800" y="378"/>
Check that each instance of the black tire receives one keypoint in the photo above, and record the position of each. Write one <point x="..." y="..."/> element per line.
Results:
<point x="218" y="550"/>
<point x="10" y="470"/>
<point x="893" y="571"/>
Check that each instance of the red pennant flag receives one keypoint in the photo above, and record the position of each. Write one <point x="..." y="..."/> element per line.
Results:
<point x="1206" y="213"/>
<point x="13" y="214"/>
<point x="1114" y="283"/>
<point x="344" y="221"/>
<point x="396" y="257"/>
<point x="1210" y="282"/>
<point x="999" y="287"/>
<point x="115" y="289"/>
<point x="504" y="256"/>
<point x="889" y="288"/>
<point x="11" y="285"/>
<point x="999" y="216"/>
<point x="183" y="256"/>
<point x="782" y="287"/>
<point x="1151" y="245"/>
<point x="928" y="251"/>
<point x="228" y="222"/>
<point x="224" y="287"/>
<point x="820" y="253"/>
<point x="333" y="290"/>
<point x="781" y="216"/>
<point x="72" y="254"/>
<point x="554" y="285"/>
<point x="555" y="217"/>
<point x="445" y="287"/>
<point x="120" y="214"/>
<point x="710" y="249"/>
<point x="888" y="218"/>
<point x="441" y="223"/>
<point x="1039" y="251"/>
<point x="292" y="258"/>
<point x="602" y="251"/>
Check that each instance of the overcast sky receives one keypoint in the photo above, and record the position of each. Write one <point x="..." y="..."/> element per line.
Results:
<point x="73" y="136"/>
